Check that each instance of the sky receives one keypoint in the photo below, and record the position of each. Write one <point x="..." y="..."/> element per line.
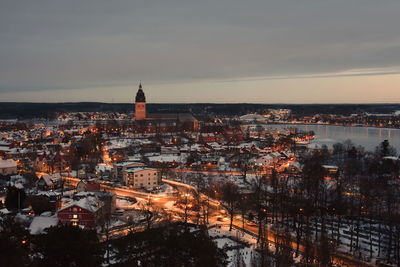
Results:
<point x="215" y="51"/>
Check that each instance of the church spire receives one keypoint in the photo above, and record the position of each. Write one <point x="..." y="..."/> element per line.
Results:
<point x="140" y="97"/>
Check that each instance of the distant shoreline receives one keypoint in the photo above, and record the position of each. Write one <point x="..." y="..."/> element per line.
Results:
<point x="337" y="125"/>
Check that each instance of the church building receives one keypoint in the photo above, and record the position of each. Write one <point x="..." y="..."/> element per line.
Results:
<point x="140" y="105"/>
<point x="161" y="120"/>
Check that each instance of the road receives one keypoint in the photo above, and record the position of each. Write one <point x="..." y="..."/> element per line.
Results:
<point x="217" y="211"/>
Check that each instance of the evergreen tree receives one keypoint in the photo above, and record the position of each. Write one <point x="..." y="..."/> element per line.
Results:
<point x="14" y="243"/>
<point x="174" y="245"/>
<point x="15" y="198"/>
<point x="68" y="246"/>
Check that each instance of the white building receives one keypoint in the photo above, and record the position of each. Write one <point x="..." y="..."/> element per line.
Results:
<point x="119" y="168"/>
<point x="141" y="177"/>
<point x="8" y="167"/>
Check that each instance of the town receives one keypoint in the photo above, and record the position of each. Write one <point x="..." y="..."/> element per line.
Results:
<point x="260" y="193"/>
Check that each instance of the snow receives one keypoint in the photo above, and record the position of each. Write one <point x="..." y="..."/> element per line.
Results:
<point x="165" y="158"/>
<point x="103" y="167"/>
<point x="124" y="203"/>
<point x="119" y="143"/>
<point x="40" y="223"/>
<point x="226" y="239"/>
<point x="89" y="203"/>
<point x="170" y="205"/>
<point x="8" y="163"/>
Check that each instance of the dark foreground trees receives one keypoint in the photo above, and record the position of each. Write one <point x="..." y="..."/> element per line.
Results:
<point x="14" y="243"/>
<point x="173" y="245"/>
<point x="68" y="246"/>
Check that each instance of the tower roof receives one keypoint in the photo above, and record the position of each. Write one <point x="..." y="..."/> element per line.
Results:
<point x="140" y="97"/>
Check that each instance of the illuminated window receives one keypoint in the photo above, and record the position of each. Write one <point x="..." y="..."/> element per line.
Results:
<point x="74" y="223"/>
<point x="75" y="216"/>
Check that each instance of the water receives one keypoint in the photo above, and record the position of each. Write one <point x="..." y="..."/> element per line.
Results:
<point x="368" y="137"/>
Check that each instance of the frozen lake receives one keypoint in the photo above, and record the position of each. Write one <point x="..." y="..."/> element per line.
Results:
<point x="368" y="137"/>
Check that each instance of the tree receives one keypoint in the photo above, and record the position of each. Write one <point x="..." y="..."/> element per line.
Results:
<point x="15" y="198"/>
<point x="147" y="211"/>
<point x="170" y="246"/>
<point x="230" y="194"/>
<point x="40" y="204"/>
<point x="68" y="246"/>
<point x="14" y="243"/>
<point x="385" y="149"/>
<point x="283" y="251"/>
<point x="324" y="249"/>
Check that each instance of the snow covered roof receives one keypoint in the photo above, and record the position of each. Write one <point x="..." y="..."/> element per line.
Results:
<point x="391" y="158"/>
<point x="91" y="204"/>
<point x="49" y="179"/>
<point x="103" y="167"/>
<point x="127" y="163"/>
<point x="165" y="158"/>
<point x="3" y="148"/>
<point x="133" y="170"/>
<point x="40" y="223"/>
<point x="330" y="167"/>
<point x="8" y="163"/>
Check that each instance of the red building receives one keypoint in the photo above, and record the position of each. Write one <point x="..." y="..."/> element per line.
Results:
<point x="86" y="212"/>
<point x="87" y="185"/>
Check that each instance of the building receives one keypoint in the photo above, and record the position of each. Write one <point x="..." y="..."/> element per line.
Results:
<point x="8" y="167"/>
<point x="85" y="212"/>
<point x="108" y="199"/>
<point x="49" y="181"/>
<point x="87" y="185"/>
<point x="141" y="178"/>
<point x="119" y="168"/>
<point x="161" y="121"/>
<point x="140" y="105"/>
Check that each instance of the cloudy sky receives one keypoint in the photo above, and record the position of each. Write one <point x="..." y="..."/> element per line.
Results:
<point x="266" y="51"/>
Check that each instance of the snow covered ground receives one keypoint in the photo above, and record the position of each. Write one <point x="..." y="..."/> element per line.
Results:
<point x="234" y="242"/>
<point x="125" y="203"/>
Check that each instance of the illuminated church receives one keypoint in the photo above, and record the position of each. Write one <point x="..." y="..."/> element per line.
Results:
<point x="163" y="120"/>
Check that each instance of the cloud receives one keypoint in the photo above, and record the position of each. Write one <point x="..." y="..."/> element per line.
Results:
<point x="61" y="45"/>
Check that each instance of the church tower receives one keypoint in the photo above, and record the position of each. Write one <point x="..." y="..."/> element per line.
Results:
<point x="140" y="105"/>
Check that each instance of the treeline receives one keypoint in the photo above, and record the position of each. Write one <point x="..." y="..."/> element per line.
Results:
<point x="17" y="110"/>
<point x="62" y="246"/>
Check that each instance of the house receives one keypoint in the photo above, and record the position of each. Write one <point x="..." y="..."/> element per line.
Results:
<point x="41" y="164"/>
<point x="141" y="178"/>
<point x="104" y="169"/>
<point x="49" y="181"/>
<point x="291" y="167"/>
<point x="8" y="167"/>
<point x="207" y="138"/>
<point x="85" y="212"/>
<point x="265" y="161"/>
<point x="170" y="150"/>
<point x="109" y="200"/>
<point x="87" y="185"/>
<point x="161" y="161"/>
